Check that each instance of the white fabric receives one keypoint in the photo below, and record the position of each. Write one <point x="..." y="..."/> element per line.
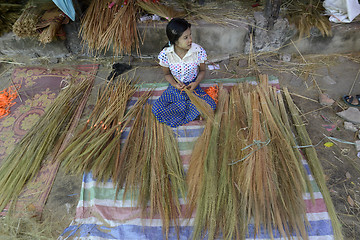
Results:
<point x="342" y="11"/>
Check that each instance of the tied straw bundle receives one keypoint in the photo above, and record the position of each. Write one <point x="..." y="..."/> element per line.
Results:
<point x="122" y="34"/>
<point x="270" y="178"/>
<point x="25" y="25"/>
<point x="45" y="137"/>
<point x="98" y="17"/>
<point x="10" y="11"/>
<point x="245" y="168"/>
<point x="203" y="174"/>
<point x="108" y="25"/>
<point x="96" y="147"/>
<point x="158" y="8"/>
<point x="308" y="14"/>
<point x="314" y="164"/>
<point x="50" y="24"/>
<point x="154" y="175"/>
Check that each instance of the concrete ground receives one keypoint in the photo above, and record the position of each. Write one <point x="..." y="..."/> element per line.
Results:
<point x="306" y="75"/>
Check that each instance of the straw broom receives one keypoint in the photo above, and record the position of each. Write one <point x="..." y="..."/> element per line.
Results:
<point x="204" y="196"/>
<point x="97" y="148"/>
<point x="111" y="27"/>
<point x="25" y="161"/>
<point x="122" y="34"/>
<point x="288" y="170"/>
<point x="314" y="164"/>
<point x="154" y="169"/>
<point x="276" y="106"/>
<point x="227" y="202"/>
<point x="133" y="143"/>
<point x="132" y="157"/>
<point x="96" y="20"/>
<point x="220" y="204"/>
<point x="236" y="140"/>
<point x="260" y="175"/>
<point x="291" y="174"/>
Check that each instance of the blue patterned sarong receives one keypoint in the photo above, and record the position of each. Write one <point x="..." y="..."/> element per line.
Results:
<point x="174" y="107"/>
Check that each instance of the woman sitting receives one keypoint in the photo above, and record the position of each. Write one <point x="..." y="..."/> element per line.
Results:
<point x="183" y="63"/>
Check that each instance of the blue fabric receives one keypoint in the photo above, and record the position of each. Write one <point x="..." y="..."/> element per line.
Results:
<point x="174" y="107"/>
<point x="67" y="7"/>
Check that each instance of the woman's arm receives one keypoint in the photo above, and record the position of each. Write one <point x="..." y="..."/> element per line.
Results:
<point x="170" y="78"/>
<point x="199" y="77"/>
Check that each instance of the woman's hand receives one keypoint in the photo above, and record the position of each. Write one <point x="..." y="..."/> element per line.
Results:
<point x="180" y="86"/>
<point x="192" y="86"/>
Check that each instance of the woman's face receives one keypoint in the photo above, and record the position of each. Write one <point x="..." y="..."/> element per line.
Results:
<point x="185" y="40"/>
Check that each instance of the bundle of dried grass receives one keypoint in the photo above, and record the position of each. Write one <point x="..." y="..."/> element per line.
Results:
<point x="49" y="33"/>
<point x="203" y="175"/>
<point x="29" y="227"/>
<point x="154" y="175"/>
<point x="270" y="178"/>
<point x="45" y="137"/>
<point x="216" y="12"/>
<point x="308" y="14"/>
<point x="200" y="105"/>
<point x="10" y="11"/>
<point x="246" y="169"/>
<point x="50" y="24"/>
<point x="160" y="9"/>
<point x="95" y="22"/>
<point x="314" y="164"/>
<point x="106" y="26"/>
<point x="122" y="34"/>
<point x="97" y="148"/>
<point x="25" y="25"/>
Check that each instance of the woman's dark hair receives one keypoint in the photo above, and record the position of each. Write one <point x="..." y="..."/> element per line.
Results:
<point x="175" y="28"/>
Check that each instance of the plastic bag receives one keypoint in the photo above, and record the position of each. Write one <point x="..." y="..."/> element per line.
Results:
<point x="342" y="11"/>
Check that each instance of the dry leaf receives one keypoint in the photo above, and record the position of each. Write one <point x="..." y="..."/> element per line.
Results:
<point x="348" y="176"/>
<point x="350" y="201"/>
<point x="326" y="177"/>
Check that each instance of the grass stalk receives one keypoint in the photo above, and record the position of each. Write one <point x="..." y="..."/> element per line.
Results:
<point x="314" y="164"/>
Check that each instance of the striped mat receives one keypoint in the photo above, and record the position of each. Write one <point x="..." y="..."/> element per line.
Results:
<point x="100" y="214"/>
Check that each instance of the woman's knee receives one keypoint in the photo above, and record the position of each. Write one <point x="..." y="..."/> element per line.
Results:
<point x="180" y="106"/>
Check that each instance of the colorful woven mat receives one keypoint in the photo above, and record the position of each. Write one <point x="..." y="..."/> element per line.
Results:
<point x="40" y="86"/>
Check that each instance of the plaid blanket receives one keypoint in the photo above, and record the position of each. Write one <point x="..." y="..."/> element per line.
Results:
<point x="101" y="214"/>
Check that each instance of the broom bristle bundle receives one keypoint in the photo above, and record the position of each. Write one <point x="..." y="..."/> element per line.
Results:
<point x="160" y="9"/>
<point x="247" y="169"/>
<point x="43" y="138"/>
